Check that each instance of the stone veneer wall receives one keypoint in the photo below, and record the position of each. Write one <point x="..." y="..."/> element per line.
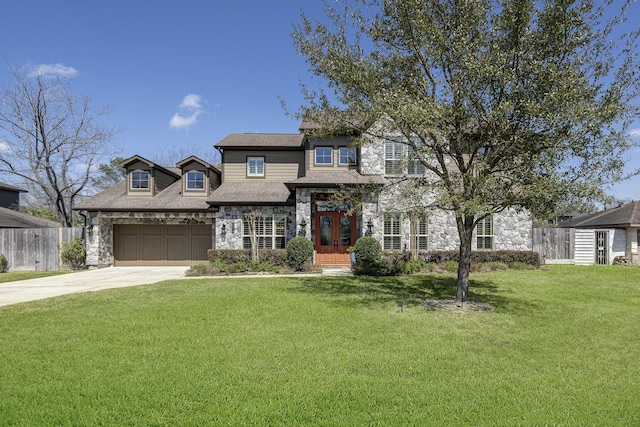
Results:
<point x="231" y="218"/>
<point x="99" y="241"/>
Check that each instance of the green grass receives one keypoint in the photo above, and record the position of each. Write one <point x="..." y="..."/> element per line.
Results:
<point x="561" y="348"/>
<point x="13" y="276"/>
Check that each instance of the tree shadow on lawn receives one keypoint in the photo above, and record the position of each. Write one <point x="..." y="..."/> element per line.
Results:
<point x="411" y="290"/>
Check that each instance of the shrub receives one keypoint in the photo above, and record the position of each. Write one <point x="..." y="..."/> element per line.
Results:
<point x="519" y="266"/>
<point x="506" y="257"/>
<point x="496" y="266"/>
<point x="4" y="264"/>
<point x="415" y="265"/>
<point x="74" y="254"/>
<point x="299" y="253"/>
<point x="368" y="253"/>
<point x="394" y="262"/>
<point x="451" y="266"/>
<point x="230" y="256"/>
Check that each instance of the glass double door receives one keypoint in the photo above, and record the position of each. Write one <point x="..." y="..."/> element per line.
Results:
<point x="335" y="233"/>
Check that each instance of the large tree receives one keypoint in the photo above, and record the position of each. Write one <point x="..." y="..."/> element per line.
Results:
<point x="50" y="138"/>
<point x="507" y="104"/>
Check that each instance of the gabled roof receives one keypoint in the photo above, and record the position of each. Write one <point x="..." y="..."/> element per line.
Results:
<point x="334" y="179"/>
<point x="137" y="158"/>
<point x="115" y="199"/>
<point x="264" y="141"/>
<point x="13" y="219"/>
<point x="4" y="186"/>
<point x="194" y="159"/>
<point x="250" y="193"/>
<point x="620" y="217"/>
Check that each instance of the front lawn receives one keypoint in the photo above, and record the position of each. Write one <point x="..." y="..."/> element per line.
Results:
<point x="12" y="276"/>
<point x="560" y="348"/>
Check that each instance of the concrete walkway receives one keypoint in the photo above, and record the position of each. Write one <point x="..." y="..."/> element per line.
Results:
<point x="85" y="281"/>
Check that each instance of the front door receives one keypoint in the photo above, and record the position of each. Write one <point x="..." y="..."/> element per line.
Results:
<point x="335" y="233"/>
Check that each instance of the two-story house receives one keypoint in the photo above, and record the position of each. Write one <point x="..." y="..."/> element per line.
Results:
<point x="298" y="184"/>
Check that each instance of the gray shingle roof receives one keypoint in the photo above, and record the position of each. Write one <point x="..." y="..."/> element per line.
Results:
<point x="14" y="219"/>
<point x="621" y="217"/>
<point x="251" y="193"/>
<point x="334" y="178"/>
<point x="4" y="186"/>
<point x="262" y="140"/>
<point x="115" y="198"/>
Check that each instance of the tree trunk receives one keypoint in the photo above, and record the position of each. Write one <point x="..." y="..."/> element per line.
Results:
<point x="465" y="232"/>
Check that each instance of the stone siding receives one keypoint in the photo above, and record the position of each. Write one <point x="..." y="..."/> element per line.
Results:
<point x="231" y="218"/>
<point x="99" y="241"/>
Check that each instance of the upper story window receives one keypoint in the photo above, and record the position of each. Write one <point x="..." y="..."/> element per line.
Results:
<point x="347" y="156"/>
<point x="324" y="156"/>
<point x="393" y="157"/>
<point x="415" y="166"/>
<point x="484" y="233"/>
<point x="195" y="180"/>
<point x="140" y="180"/>
<point x="255" y="166"/>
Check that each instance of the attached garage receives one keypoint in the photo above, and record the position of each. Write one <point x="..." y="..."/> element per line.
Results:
<point x="176" y="244"/>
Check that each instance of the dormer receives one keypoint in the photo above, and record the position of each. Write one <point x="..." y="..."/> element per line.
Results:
<point x="199" y="178"/>
<point x="145" y="178"/>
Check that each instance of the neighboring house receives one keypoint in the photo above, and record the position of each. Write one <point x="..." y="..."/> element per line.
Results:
<point x="9" y="215"/>
<point x="293" y="181"/>
<point x="604" y="235"/>
<point x="10" y="196"/>
<point x="13" y="219"/>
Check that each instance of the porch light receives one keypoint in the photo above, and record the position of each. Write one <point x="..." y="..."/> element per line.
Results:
<point x="303" y="227"/>
<point x="369" y="231"/>
<point x="223" y="229"/>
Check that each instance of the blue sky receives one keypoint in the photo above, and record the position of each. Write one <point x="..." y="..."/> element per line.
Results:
<point x="177" y="74"/>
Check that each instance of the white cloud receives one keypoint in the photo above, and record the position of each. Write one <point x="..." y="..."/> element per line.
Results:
<point x="5" y="147"/>
<point x="634" y="132"/>
<point x="191" y="101"/>
<point x="50" y="70"/>
<point x="190" y="109"/>
<point x="178" y="121"/>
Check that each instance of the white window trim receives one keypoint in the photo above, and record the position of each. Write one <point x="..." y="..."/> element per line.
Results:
<point x="395" y="156"/>
<point x="199" y="173"/>
<point x="255" y="158"/>
<point x="133" y="173"/>
<point x="481" y="233"/>
<point x="262" y="227"/>
<point x="389" y="238"/>
<point x="315" y="156"/>
<point x="351" y="150"/>
<point x="419" y="230"/>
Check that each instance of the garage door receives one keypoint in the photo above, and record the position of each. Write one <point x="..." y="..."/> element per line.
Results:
<point x="160" y="244"/>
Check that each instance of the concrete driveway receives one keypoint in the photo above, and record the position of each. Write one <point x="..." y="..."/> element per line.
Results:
<point x="85" y="281"/>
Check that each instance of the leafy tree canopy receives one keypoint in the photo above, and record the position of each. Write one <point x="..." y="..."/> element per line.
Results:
<point x="512" y="103"/>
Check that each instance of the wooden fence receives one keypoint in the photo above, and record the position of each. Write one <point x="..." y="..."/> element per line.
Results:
<point x="35" y="248"/>
<point x="555" y="245"/>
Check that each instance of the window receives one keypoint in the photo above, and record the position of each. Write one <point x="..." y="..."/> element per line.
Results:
<point x="140" y="180"/>
<point x="484" y="233"/>
<point x="392" y="237"/>
<point x="415" y="166"/>
<point x="347" y="156"/>
<point x="195" y="180"/>
<point x="255" y="166"/>
<point x="323" y="156"/>
<point x="419" y="232"/>
<point x="393" y="157"/>
<point x="270" y="230"/>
